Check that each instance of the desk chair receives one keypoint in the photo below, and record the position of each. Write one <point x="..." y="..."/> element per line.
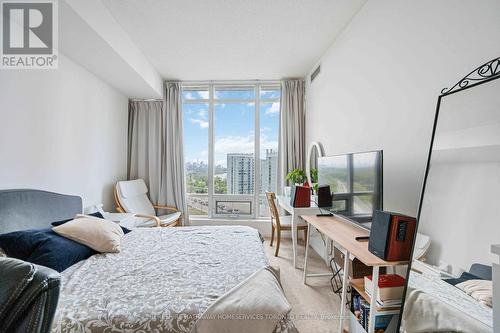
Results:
<point x="279" y="223"/>
<point x="131" y="197"/>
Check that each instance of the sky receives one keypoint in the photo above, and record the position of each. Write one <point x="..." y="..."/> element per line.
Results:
<point x="234" y="126"/>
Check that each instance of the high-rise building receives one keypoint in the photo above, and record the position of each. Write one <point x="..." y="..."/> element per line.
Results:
<point x="268" y="170"/>
<point x="240" y="170"/>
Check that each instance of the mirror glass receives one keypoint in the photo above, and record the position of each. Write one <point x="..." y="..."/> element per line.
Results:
<point x="315" y="152"/>
<point x="450" y="283"/>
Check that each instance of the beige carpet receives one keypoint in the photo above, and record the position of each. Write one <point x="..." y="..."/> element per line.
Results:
<point x="315" y="308"/>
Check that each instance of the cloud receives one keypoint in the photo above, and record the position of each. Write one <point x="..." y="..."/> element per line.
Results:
<point x="203" y="123"/>
<point x="275" y="108"/>
<point x="240" y="144"/>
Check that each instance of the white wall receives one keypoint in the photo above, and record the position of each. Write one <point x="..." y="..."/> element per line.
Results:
<point x="380" y="80"/>
<point x="62" y="130"/>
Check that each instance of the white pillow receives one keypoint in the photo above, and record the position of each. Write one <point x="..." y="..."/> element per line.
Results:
<point x="98" y="234"/>
<point x="481" y="290"/>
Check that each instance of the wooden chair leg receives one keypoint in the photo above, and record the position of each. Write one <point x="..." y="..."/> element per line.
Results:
<point x="272" y="235"/>
<point x="278" y="236"/>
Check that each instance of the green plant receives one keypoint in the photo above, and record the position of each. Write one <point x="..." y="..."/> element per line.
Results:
<point x="314" y="175"/>
<point x="315" y="187"/>
<point x="297" y="176"/>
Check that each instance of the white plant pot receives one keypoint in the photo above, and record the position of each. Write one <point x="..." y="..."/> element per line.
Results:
<point x="288" y="191"/>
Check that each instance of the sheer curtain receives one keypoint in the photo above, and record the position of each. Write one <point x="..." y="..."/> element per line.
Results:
<point x="292" y="128"/>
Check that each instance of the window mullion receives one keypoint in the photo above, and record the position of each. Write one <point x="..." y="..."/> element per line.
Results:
<point x="211" y="144"/>
<point x="256" y="168"/>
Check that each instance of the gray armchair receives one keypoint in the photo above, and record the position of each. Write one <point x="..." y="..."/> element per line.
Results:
<point x="28" y="296"/>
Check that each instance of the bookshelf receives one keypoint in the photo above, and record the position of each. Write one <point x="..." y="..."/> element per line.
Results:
<point x="344" y="234"/>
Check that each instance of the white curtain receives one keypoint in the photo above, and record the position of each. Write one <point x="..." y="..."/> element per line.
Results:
<point x="146" y="145"/>
<point x="292" y="128"/>
<point x="175" y="189"/>
<point x="155" y="148"/>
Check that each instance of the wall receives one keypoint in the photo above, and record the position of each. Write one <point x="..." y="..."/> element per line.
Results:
<point x="62" y="130"/>
<point x="380" y="80"/>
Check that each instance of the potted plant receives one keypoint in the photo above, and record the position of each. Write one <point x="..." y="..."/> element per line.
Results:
<point x="297" y="176"/>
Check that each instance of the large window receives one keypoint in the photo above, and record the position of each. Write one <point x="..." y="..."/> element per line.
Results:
<point x="225" y="127"/>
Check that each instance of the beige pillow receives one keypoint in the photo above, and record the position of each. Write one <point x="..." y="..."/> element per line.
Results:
<point x="98" y="234"/>
<point x="481" y="290"/>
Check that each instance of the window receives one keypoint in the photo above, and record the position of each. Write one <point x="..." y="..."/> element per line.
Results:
<point x="225" y="127"/>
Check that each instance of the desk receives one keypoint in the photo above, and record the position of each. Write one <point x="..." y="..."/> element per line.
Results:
<point x="284" y="202"/>
<point x="344" y="234"/>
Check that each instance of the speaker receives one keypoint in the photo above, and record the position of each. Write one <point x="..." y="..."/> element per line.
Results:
<point x="391" y="236"/>
<point x="324" y="196"/>
<point x="300" y="196"/>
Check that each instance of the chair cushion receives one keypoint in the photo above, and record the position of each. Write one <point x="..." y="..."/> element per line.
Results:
<point x="132" y="195"/>
<point x="132" y="188"/>
<point x="170" y="218"/>
<point x="286" y="221"/>
<point x="141" y="222"/>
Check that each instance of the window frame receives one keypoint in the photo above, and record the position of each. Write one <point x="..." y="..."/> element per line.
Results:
<point x="258" y="87"/>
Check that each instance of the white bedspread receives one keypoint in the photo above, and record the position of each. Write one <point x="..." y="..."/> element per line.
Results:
<point x="163" y="280"/>
<point x="433" y="305"/>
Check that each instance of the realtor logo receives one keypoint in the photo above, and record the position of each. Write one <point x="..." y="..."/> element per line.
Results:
<point x="29" y="34"/>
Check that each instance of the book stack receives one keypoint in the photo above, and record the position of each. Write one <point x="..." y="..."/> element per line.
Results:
<point x="362" y="313"/>
<point x="390" y="289"/>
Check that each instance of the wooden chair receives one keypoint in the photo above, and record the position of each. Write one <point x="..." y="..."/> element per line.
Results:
<point x="131" y="197"/>
<point x="279" y="223"/>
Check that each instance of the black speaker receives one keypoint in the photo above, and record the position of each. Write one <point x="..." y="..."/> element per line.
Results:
<point x="324" y="196"/>
<point x="391" y="236"/>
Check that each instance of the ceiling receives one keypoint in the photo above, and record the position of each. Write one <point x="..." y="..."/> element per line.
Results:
<point x="233" y="39"/>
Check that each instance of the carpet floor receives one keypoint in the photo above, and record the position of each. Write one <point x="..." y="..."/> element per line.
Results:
<point x="315" y="308"/>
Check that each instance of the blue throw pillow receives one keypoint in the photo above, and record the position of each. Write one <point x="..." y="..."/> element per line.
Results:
<point x="44" y="247"/>
<point x="96" y="214"/>
<point x="464" y="277"/>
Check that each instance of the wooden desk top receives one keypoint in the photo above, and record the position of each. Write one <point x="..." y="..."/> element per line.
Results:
<point x="344" y="233"/>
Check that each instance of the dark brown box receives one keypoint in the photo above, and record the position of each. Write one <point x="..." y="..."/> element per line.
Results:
<point x="357" y="270"/>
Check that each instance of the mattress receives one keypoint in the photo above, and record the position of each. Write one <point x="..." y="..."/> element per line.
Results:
<point x="163" y="280"/>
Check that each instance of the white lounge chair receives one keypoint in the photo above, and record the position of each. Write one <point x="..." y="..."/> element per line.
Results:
<point x="131" y="197"/>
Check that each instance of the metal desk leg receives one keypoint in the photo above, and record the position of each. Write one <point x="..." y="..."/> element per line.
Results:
<point x="373" y="303"/>
<point x="307" y="251"/>
<point x="294" y="238"/>
<point x="345" y="285"/>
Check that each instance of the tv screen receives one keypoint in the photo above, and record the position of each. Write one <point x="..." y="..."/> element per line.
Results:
<point x="356" y="183"/>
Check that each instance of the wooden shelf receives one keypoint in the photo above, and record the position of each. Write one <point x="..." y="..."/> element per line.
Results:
<point x="359" y="286"/>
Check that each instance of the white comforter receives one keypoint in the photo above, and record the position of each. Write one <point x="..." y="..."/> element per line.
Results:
<point x="163" y="280"/>
<point x="433" y="305"/>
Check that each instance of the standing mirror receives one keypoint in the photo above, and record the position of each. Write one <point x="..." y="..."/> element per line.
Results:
<point x="450" y="285"/>
<point x="315" y="152"/>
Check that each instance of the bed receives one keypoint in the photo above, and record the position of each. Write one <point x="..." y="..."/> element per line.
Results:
<point x="163" y="280"/>
<point x="433" y="305"/>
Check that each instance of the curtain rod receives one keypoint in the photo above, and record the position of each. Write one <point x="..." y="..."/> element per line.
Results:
<point x="145" y="99"/>
<point x="231" y="81"/>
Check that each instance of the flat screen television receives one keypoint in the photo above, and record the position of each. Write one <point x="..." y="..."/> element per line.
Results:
<point x="356" y="183"/>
